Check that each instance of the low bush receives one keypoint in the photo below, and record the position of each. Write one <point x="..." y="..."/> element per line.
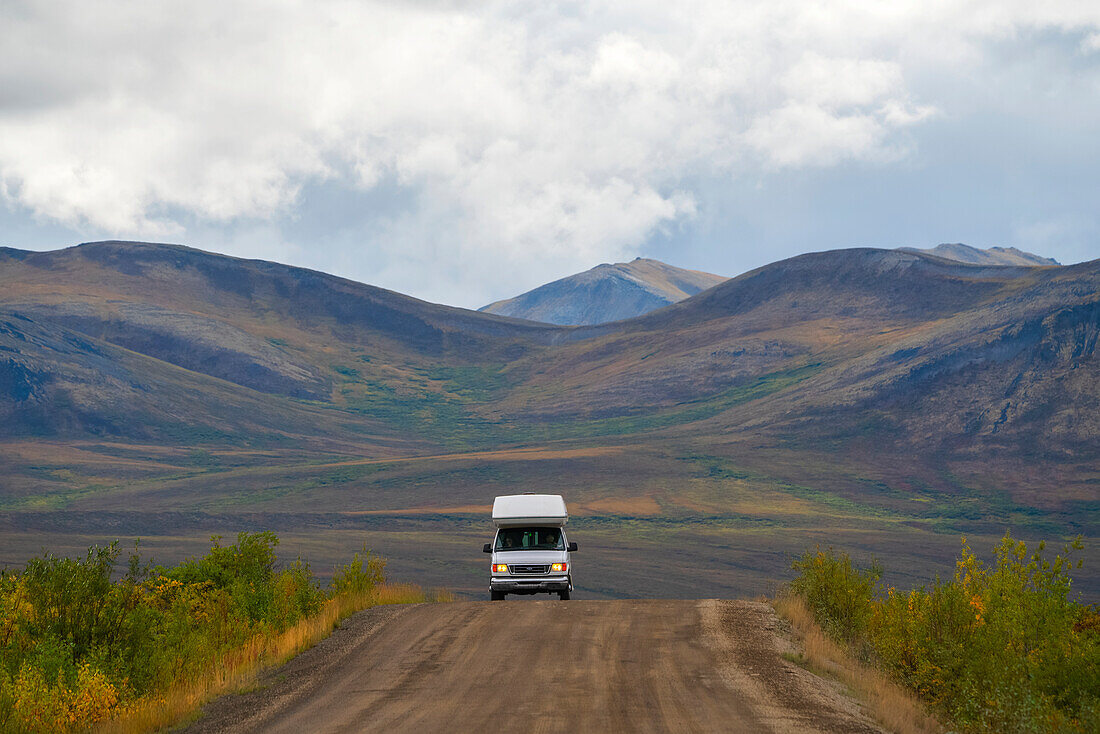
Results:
<point x="79" y="646"/>
<point x="838" y="594"/>
<point x="1001" y="647"/>
<point x="363" y="574"/>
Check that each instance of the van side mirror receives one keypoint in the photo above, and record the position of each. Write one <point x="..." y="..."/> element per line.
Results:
<point x="487" y="548"/>
<point x="572" y="547"/>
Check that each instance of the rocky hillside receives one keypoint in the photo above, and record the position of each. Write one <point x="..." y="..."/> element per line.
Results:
<point x="990" y="256"/>
<point x="606" y="293"/>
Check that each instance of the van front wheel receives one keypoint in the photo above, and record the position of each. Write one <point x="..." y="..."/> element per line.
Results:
<point x="496" y="596"/>
<point x="563" y="595"/>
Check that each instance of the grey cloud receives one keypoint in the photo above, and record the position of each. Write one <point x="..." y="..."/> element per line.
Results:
<point x="451" y="143"/>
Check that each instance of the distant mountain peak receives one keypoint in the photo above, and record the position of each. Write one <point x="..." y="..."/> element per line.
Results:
<point x="607" y="292"/>
<point x="989" y="256"/>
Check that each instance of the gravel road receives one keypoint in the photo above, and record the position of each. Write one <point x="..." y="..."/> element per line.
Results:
<point x="545" y="666"/>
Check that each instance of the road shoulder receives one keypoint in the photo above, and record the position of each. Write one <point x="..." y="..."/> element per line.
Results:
<point x="751" y="640"/>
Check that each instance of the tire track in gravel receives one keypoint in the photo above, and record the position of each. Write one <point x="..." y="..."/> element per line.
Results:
<point x="637" y="665"/>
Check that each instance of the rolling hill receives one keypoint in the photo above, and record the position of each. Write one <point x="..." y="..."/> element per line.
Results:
<point x="881" y="398"/>
<point x="608" y="292"/>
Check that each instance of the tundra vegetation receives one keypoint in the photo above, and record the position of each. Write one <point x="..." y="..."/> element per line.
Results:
<point x="999" y="647"/>
<point x="80" y="646"/>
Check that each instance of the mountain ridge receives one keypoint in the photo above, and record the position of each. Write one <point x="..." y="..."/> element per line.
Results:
<point x="989" y="256"/>
<point x="268" y="327"/>
<point x="605" y="293"/>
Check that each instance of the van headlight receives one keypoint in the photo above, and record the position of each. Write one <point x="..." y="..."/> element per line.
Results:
<point x="500" y="568"/>
<point x="559" y="567"/>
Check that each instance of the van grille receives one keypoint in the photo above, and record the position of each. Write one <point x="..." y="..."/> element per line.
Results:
<point x="529" y="570"/>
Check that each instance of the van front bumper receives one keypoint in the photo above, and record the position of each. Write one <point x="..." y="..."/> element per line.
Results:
<point x="513" y="585"/>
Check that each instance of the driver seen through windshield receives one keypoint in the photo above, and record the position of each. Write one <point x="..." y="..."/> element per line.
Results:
<point x="529" y="539"/>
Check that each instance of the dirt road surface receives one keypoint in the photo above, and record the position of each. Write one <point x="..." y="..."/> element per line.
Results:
<point x="545" y="666"/>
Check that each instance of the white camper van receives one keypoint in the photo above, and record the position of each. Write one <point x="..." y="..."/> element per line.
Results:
<point x="530" y="553"/>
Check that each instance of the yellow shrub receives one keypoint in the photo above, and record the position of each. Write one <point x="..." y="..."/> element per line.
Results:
<point x="42" y="706"/>
<point x="96" y="697"/>
<point x="38" y="707"/>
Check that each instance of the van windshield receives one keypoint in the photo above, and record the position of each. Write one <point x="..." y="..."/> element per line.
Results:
<point x="509" y="539"/>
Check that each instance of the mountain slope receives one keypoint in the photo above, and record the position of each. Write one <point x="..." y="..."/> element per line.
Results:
<point x="989" y="256"/>
<point x="606" y="293"/>
<point x="102" y="338"/>
<point x="938" y="352"/>
<point x="82" y="324"/>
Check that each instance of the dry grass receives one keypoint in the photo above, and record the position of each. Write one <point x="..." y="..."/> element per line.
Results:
<point x="621" y="506"/>
<point x="240" y="668"/>
<point x="895" y="708"/>
<point x="521" y="454"/>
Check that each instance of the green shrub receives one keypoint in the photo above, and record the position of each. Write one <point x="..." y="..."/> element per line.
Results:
<point x="836" y="592"/>
<point x="77" y="646"/>
<point x="996" y="648"/>
<point x="296" y="595"/>
<point x="244" y="570"/>
<point x="364" y="573"/>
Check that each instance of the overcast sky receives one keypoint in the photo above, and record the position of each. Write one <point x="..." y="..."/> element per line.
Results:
<point x="465" y="152"/>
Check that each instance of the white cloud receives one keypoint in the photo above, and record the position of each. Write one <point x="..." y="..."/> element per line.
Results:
<point x="804" y="134"/>
<point x="838" y="83"/>
<point x="554" y="134"/>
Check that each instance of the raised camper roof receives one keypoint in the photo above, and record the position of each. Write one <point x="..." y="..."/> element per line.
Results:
<point x="529" y="509"/>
